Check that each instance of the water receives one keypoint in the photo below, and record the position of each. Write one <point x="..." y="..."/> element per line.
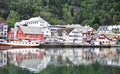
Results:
<point x="36" y="59"/>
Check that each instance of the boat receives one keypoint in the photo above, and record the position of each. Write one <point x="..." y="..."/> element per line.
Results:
<point x="21" y="44"/>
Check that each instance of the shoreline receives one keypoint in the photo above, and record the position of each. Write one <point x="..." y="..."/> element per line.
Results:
<point x="62" y="46"/>
<point x="76" y="46"/>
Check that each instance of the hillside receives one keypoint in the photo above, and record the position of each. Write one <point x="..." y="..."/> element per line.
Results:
<point x="84" y="12"/>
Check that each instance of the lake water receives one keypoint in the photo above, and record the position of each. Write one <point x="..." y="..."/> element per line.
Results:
<point x="36" y="59"/>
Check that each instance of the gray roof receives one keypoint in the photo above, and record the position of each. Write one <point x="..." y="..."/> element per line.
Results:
<point x="95" y="36"/>
<point x="31" y="30"/>
<point x="68" y="30"/>
<point x="84" y="29"/>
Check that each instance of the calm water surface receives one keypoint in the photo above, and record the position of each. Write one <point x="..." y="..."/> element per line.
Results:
<point x="36" y="59"/>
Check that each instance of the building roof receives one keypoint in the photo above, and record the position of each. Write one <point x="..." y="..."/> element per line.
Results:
<point x="37" y="19"/>
<point x="112" y="36"/>
<point x="84" y="29"/>
<point x="103" y="28"/>
<point x="68" y="30"/>
<point x="31" y="30"/>
<point x="95" y="36"/>
<point x="108" y="36"/>
<point x="33" y="19"/>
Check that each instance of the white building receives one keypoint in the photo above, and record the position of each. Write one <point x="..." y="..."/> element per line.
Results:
<point x="3" y="30"/>
<point x="54" y="28"/>
<point x="75" y="36"/>
<point x="70" y="35"/>
<point x="109" y="29"/>
<point x="36" y="22"/>
<point x="46" y="31"/>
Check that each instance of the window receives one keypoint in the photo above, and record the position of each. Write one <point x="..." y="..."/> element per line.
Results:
<point x="5" y="33"/>
<point x="1" y="33"/>
<point x="103" y="42"/>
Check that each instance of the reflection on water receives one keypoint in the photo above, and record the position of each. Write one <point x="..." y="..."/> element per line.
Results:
<point x="3" y="58"/>
<point x="35" y="59"/>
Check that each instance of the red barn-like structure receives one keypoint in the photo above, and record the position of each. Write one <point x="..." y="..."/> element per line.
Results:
<point x="26" y="33"/>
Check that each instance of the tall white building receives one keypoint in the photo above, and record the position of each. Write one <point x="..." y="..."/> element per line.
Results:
<point x="36" y="22"/>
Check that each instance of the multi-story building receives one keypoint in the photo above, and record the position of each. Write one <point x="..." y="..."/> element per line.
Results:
<point x="26" y="33"/>
<point x="3" y="30"/>
<point x="54" y="28"/>
<point x="36" y="22"/>
<point x="33" y="22"/>
<point x="70" y="35"/>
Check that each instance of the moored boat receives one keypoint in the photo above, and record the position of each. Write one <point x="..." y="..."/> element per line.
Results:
<point x="20" y="44"/>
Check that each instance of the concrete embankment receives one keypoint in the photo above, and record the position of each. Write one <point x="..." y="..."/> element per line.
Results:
<point x="77" y="46"/>
<point x="62" y="46"/>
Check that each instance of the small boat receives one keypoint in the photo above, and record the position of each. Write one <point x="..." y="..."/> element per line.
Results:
<point x="21" y="44"/>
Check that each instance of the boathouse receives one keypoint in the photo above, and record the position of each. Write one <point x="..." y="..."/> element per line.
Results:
<point x="26" y="33"/>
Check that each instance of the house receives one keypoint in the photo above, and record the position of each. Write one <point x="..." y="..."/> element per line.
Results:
<point x="3" y="30"/>
<point x="113" y="37"/>
<point x="26" y="33"/>
<point x="70" y="35"/>
<point x="103" y="39"/>
<point x="87" y="31"/>
<point x="54" y="28"/>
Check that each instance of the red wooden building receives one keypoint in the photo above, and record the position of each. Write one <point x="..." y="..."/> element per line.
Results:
<point x="26" y="33"/>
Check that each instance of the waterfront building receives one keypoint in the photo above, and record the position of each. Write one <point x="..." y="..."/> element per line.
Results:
<point x="36" y="22"/>
<point x="46" y="32"/>
<point x="87" y="31"/>
<point x="54" y="28"/>
<point x="26" y="33"/>
<point x="104" y="39"/>
<point x="3" y="30"/>
<point x="33" y="22"/>
<point x="114" y="29"/>
<point x="70" y="35"/>
<point x="114" y="38"/>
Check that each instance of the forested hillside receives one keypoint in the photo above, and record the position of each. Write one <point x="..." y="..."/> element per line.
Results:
<point x="84" y="12"/>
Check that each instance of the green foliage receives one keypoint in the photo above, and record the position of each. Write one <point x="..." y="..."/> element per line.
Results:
<point x="90" y="12"/>
<point x="12" y="18"/>
<point x="95" y="68"/>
